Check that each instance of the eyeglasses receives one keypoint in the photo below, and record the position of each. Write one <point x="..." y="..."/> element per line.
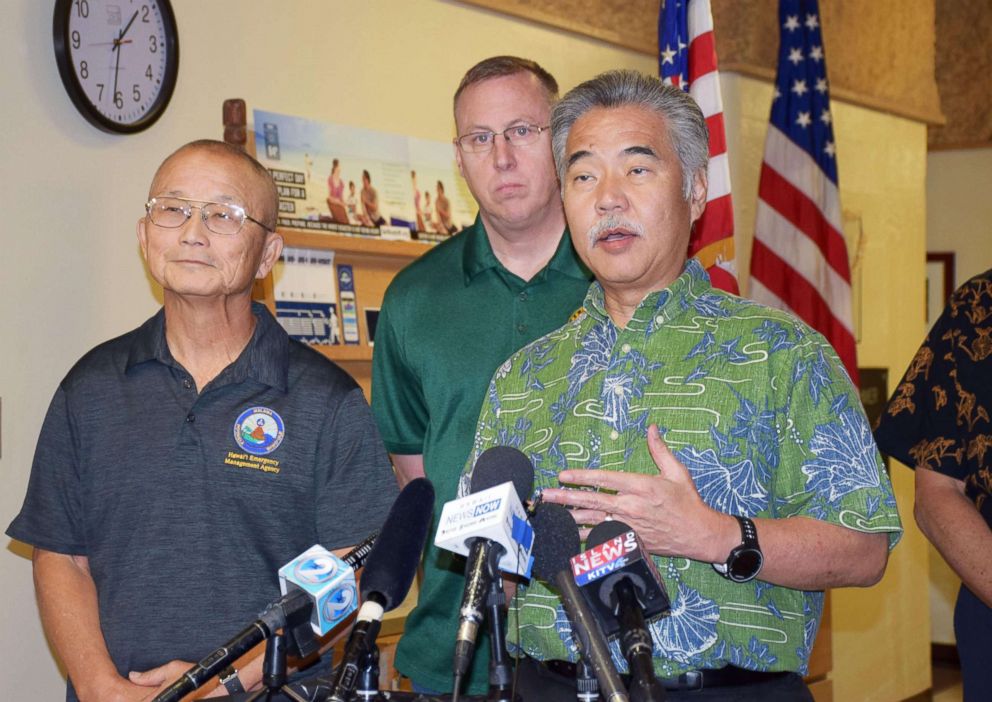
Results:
<point x="480" y="142"/>
<point x="219" y="217"/>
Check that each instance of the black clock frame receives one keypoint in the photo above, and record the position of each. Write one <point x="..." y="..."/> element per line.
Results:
<point x="63" y="58"/>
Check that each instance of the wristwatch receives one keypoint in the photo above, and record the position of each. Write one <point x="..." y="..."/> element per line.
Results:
<point x="744" y="561"/>
<point x="230" y="680"/>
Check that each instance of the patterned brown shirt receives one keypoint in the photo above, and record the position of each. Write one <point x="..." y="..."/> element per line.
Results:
<point x="938" y="417"/>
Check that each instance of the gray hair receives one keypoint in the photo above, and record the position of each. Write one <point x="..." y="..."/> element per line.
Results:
<point x="686" y="124"/>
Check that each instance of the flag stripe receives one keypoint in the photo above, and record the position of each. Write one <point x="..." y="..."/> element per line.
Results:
<point x="718" y="175"/>
<point x="806" y="218"/>
<point x="702" y="56"/>
<point x="791" y="243"/>
<point x="718" y="139"/>
<point x="719" y="215"/>
<point x="705" y="90"/>
<point x="699" y="19"/>
<point x="803" y="173"/>
<point x="804" y="300"/>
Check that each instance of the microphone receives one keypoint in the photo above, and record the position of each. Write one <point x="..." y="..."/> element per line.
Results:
<point x="328" y="581"/>
<point x="291" y="611"/>
<point x="620" y="581"/>
<point x="389" y="572"/>
<point x="613" y="554"/>
<point x="557" y="540"/>
<point x="502" y="480"/>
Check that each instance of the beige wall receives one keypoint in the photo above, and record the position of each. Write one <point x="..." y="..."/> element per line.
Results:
<point x="70" y="275"/>
<point x="959" y="208"/>
<point x="959" y="219"/>
<point x="882" y="173"/>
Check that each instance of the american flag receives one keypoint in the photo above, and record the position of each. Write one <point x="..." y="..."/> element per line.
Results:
<point x="687" y="59"/>
<point x="799" y="260"/>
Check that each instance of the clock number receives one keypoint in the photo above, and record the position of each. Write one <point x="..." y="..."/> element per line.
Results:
<point x="82" y="8"/>
<point x="75" y="39"/>
<point x="136" y="94"/>
<point x="119" y="99"/>
<point x="84" y="70"/>
<point x="153" y="41"/>
<point x="99" y="96"/>
<point x="148" y="72"/>
<point x="144" y="13"/>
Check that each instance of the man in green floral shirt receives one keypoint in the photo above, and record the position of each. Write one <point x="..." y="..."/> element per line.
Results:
<point x="691" y="415"/>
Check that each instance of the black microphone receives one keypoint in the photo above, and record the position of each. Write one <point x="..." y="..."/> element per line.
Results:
<point x="497" y="465"/>
<point x="556" y="540"/>
<point x="389" y="572"/>
<point x="291" y="611"/>
<point x="621" y="582"/>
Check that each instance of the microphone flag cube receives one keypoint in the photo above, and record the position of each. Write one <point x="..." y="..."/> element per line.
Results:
<point x="495" y="514"/>
<point x="329" y="582"/>
<point x="597" y="569"/>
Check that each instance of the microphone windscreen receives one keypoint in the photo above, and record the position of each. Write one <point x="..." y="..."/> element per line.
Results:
<point x="604" y="531"/>
<point x="556" y="540"/>
<point x="393" y="561"/>
<point x="501" y="464"/>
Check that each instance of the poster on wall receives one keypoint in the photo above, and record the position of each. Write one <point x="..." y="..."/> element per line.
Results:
<point x="359" y="181"/>
<point x="306" y="296"/>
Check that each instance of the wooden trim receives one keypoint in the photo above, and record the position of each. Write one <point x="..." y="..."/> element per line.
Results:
<point x="844" y="94"/>
<point x="945" y="654"/>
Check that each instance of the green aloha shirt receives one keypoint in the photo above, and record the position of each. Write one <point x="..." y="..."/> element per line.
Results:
<point x="753" y="402"/>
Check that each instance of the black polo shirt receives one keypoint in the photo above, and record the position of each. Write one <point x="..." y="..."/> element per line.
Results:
<point x="186" y="504"/>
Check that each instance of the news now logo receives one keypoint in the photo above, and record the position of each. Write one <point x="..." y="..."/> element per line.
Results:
<point x="486" y="507"/>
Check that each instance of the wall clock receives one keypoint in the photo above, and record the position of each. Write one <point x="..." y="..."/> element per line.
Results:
<point x="118" y="60"/>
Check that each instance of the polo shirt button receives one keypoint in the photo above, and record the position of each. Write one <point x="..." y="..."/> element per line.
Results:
<point x="625" y="348"/>
<point x="659" y="319"/>
<point x="187" y="383"/>
<point x="190" y="418"/>
<point x="521" y="328"/>
<point x="614" y="435"/>
<point x="523" y="295"/>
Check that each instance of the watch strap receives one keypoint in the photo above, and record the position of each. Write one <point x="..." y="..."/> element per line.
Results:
<point x="230" y="680"/>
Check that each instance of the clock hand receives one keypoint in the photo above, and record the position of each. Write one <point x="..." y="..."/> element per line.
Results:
<point x="117" y="48"/>
<point x="124" y="31"/>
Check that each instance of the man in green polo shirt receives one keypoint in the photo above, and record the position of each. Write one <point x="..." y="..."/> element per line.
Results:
<point x="450" y="318"/>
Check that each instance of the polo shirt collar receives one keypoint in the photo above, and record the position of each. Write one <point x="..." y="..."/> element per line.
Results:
<point x="478" y="256"/>
<point x="658" y="307"/>
<point x="265" y="359"/>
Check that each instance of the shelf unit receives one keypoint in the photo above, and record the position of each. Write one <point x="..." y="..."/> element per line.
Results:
<point x="374" y="263"/>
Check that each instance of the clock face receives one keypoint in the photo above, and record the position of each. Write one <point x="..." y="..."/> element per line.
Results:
<point x="118" y="59"/>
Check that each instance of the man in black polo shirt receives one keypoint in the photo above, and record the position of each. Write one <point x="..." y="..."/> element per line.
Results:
<point x="180" y="465"/>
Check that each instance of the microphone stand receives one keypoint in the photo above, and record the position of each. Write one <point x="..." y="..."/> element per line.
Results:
<point x="500" y="670"/>
<point x="367" y="687"/>
<point x="586" y="684"/>
<point x="274" y="673"/>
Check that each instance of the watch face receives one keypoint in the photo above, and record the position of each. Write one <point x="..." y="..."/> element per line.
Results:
<point x="745" y="563"/>
<point x="118" y="59"/>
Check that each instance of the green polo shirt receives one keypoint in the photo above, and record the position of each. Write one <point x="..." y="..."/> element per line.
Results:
<point x="448" y="320"/>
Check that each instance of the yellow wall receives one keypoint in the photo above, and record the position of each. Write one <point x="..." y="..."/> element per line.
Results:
<point x="881" y="635"/>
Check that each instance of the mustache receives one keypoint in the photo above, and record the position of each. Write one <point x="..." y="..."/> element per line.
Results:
<point x="612" y="222"/>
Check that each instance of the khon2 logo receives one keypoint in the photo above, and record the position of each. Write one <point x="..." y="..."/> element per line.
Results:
<point x="259" y="430"/>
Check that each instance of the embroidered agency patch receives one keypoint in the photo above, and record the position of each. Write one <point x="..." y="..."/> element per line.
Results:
<point x="259" y="431"/>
